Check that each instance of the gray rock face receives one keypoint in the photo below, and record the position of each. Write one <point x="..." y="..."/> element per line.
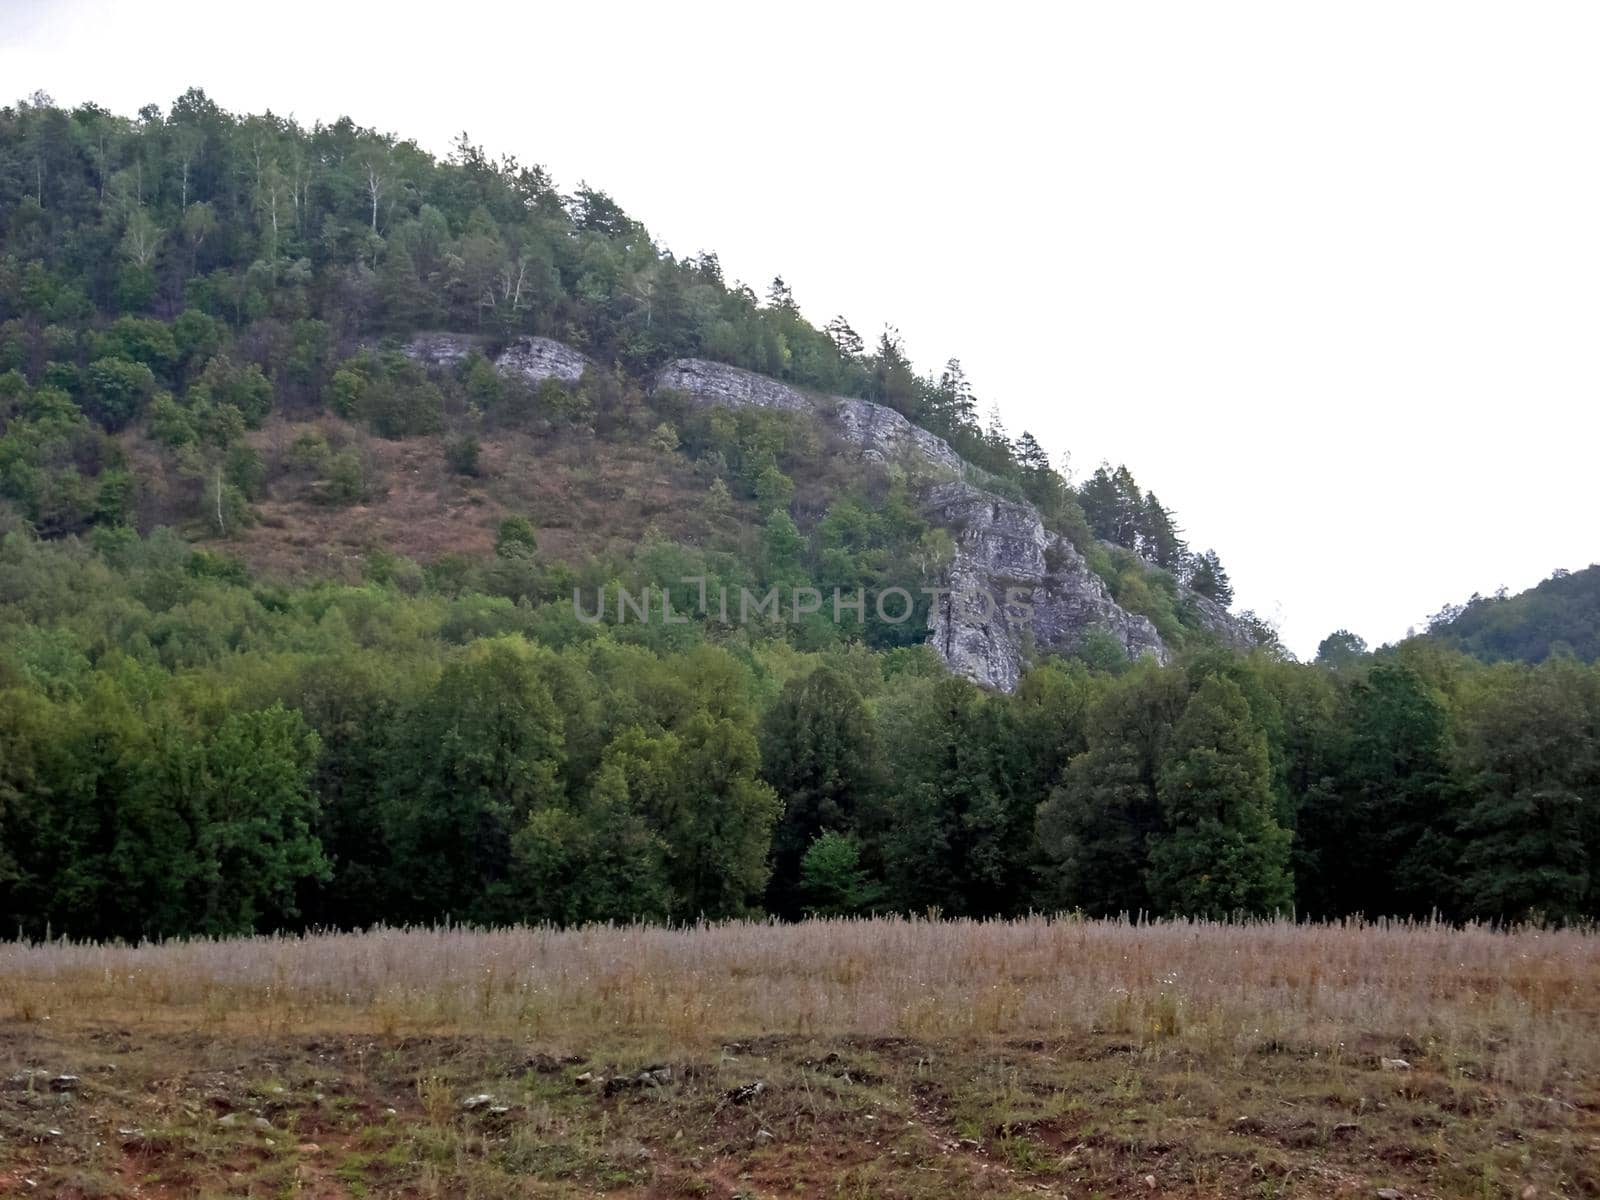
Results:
<point x="534" y="358"/>
<point x="715" y="383"/>
<point x="884" y="435"/>
<point x="442" y="349"/>
<point x="1015" y="588"/>
<point x="537" y="359"/>
<point x="1230" y="631"/>
<point x="1211" y="617"/>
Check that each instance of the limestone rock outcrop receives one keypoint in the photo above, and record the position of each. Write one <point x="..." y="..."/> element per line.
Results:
<point x="882" y="434"/>
<point x="716" y="383"/>
<point x="537" y="359"/>
<point x="534" y="358"/>
<point x="442" y="349"/>
<point x="1014" y="587"/>
<point x="1216" y="620"/>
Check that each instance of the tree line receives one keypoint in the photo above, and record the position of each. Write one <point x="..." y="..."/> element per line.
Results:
<point x="184" y="749"/>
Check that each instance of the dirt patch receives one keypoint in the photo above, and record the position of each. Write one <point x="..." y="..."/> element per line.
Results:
<point x="164" y="1113"/>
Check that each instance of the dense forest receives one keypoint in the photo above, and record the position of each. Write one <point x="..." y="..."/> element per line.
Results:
<point x="199" y="310"/>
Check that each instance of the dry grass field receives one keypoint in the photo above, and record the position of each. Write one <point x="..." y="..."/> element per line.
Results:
<point x="882" y="1058"/>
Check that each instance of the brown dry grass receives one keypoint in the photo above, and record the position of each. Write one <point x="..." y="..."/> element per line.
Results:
<point x="897" y="1058"/>
<point x="583" y="496"/>
<point x="1522" y="1005"/>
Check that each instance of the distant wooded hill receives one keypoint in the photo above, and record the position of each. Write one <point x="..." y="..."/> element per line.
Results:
<point x="1559" y="617"/>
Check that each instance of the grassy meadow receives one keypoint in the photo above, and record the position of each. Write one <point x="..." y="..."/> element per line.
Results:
<point x="915" y="1058"/>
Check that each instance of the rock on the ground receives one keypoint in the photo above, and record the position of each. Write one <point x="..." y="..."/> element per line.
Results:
<point x="238" y="1120"/>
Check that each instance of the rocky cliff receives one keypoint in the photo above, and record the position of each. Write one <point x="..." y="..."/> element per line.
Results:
<point x="1014" y="586"/>
<point x="882" y="434"/>
<point x="1011" y="589"/>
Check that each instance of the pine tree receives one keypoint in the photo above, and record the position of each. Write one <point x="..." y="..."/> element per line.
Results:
<point x="1098" y="496"/>
<point x="1130" y="509"/>
<point x="779" y="297"/>
<point x="845" y="339"/>
<point x="893" y="382"/>
<point x="1031" y="456"/>
<point x="1160" y="539"/>
<point x="951" y="407"/>
<point x="1210" y="580"/>
<point x="1114" y="506"/>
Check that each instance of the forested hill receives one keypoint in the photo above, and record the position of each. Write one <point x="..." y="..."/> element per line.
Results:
<point x="192" y="273"/>
<point x="287" y="632"/>
<point x="1559" y="616"/>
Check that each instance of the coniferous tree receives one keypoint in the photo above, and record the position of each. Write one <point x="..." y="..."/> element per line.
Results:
<point x="1160" y="539"/>
<point x="949" y="407"/>
<point x="845" y="340"/>
<point x="893" y="382"/>
<point x="1210" y="580"/>
<point x="1031" y="456"/>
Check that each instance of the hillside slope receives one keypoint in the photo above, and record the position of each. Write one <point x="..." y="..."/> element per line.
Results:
<point x="1560" y="616"/>
<point x="1009" y="590"/>
<point x="199" y="319"/>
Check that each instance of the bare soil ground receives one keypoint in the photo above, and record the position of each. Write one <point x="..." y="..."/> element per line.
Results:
<point x="170" y="1114"/>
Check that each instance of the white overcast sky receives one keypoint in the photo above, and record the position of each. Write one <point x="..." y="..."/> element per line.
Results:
<point x="1326" y="276"/>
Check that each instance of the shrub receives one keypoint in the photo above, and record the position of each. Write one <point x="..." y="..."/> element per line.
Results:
<point x="461" y="454"/>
